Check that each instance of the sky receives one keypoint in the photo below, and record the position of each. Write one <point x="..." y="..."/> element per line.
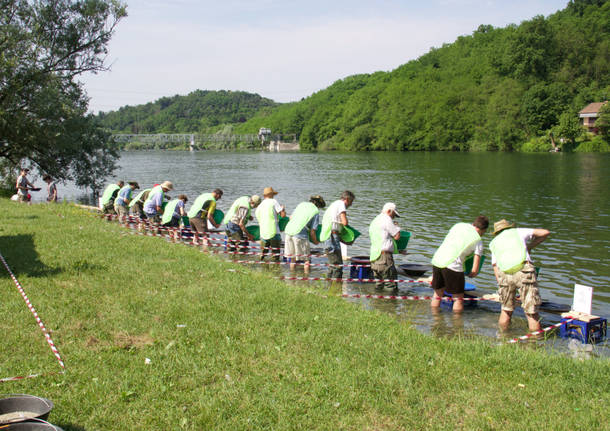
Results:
<point x="284" y="50"/>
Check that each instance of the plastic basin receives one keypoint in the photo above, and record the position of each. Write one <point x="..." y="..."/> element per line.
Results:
<point x="470" y="261"/>
<point x="31" y="407"/>
<point x="349" y="234"/>
<point x="282" y="222"/>
<point x="402" y="242"/>
<point x="255" y="231"/>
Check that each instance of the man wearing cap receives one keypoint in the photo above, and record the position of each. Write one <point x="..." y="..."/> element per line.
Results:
<point x="173" y="211"/>
<point x="121" y="203"/>
<point x="301" y="229"/>
<point x="268" y="221"/>
<point x="23" y="185"/>
<point x="383" y="232"/>
<point x="201" y="213"/>
<point x="153" y="207"/>
<point x="462" y="241"/>
<point x="110" y="193"/>
<point x="514" y="270"/>
<point x="237" y="218"/>
<point x="335" y="218"/>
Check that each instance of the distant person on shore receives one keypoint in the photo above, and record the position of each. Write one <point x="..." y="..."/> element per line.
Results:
<point x="301" y="229"/>
<point x="202" y="212"/>
<point x="237" y="218"/>
<point x="110" y="193"/>
<point x="51" y="188"/>
<point x="123" y="199"/>
<point x="174" y="211"/>
<point x="23" y="186"/>
<point x="514" y="270"/>
<point x="462" y="241"/>
<point x="383" y="232"/>
<point x="333" y="222"/>
<point x="268" y="214"/>
<point x="153" y="206"/>
<point x="137" y="203"/>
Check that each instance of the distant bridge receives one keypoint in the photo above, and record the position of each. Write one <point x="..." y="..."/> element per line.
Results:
<point x="202" y="142"/>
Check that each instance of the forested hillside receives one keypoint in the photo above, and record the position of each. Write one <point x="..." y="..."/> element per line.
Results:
<point x="198" y="112"/>
<point x="493" y="90"/>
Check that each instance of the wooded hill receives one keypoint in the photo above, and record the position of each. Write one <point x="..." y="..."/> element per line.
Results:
<point x="498" y="89"/>
<point x="197" y="112"/>
<point x="493" y="90"/>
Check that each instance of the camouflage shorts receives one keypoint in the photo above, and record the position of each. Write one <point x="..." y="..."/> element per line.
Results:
<point x="525" y="281"/>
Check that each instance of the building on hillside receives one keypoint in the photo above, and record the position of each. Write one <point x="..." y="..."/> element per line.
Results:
<point x="589" y="115"/>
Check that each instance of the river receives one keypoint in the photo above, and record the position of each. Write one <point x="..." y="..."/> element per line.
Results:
<point x="564" y="193"/>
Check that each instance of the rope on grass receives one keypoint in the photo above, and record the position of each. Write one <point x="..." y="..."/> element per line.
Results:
<point x="33" y="311"/>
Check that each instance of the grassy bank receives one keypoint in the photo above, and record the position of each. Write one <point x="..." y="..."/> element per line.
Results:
<point x="231" y="348"/>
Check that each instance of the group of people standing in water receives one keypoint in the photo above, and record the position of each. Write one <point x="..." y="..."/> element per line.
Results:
<point x="510" y="247"/>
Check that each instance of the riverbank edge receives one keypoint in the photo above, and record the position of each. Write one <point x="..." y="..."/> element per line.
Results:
<point x="254" y="352"/>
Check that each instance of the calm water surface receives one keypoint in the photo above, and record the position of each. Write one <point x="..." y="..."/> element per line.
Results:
<point x="565" y="193"/>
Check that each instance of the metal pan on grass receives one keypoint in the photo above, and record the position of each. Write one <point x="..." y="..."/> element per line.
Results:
<point x="20" y="408"/>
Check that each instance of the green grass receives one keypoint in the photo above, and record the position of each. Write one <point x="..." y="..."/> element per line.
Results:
<point x="255" y="353"/>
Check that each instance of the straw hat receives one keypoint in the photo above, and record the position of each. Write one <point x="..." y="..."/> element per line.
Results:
<point x="167" y="185"/>
<point x="499" y="226"/>
<point x="268" y="191"/>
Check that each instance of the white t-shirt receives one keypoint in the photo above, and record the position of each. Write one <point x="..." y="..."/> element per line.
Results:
<point x="458" y="264"/>
<point x="526" y="234"/>
<point x="335" y="209"/>
<point x="278" y="208"/>
<point x="388" y="230"/>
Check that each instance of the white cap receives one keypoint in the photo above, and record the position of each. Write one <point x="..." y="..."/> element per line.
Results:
<point x="390" y="206"/>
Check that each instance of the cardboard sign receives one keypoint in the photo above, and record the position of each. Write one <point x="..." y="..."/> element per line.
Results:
<point x="583" y="297"/>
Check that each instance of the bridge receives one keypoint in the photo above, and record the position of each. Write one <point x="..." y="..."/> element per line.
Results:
<point x="203" y="142"/>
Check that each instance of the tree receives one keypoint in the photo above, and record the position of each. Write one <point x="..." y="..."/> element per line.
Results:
<point x="568" y="128"/>
<point x="45" y="45"/>
<point x="603" y="122"/>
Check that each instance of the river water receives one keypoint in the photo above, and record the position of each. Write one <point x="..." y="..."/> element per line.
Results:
<point x="564" y="193"/>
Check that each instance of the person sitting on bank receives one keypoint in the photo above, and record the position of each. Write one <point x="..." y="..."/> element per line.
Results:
<point x="335" y="218"/>
<point x="267" y="214"/>
<point x="201" y="213"/>
<point x="383" y="232"/>
<point x="301" y="229"/>
<point x="462" y="241"/>
<point x="51" y="188"/>
<point x="236" y="220"/>
<point x="153" y="206"/>
<point x="121" y="203"/>
<point x="513" y="268"/>
<point x="109" y="195"/>
<point x="136" y="206"/>
<point x="23" y="186"/>
<point x="174" y="211"/>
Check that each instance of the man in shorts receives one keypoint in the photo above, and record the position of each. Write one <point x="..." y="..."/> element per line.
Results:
<point x="267" y="215"/>
<point x="23" y="185"/>
<point x="462" y="241"/>
<point x="201" y="213"/>
<point x="153" y="207"/>
<point x="236" y="220"/>
<point x="514" y="270"/>
<point x="301" y="229"/>
<point x="51" y="188"/>
<point x="121" y="202"/>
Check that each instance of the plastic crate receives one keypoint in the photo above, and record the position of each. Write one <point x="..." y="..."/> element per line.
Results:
<point x="359" y="271"/>
<point x="587" y="332"/>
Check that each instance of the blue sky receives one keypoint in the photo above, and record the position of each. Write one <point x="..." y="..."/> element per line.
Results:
<point x="283" y="50"/>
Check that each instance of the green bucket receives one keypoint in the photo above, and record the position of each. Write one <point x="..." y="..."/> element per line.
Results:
<point x="218" y="216"/>
<point x="255" y="231"/>
<point x="470" y="261"/>
<point x="185" y="221"/>
<point x="283" y="221"/>
<point x="402" y="242"/>
<point x="318" y="232"/>
<point x="349" y="234"/>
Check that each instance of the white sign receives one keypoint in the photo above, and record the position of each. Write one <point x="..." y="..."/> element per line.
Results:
<point x="583" y="296"/>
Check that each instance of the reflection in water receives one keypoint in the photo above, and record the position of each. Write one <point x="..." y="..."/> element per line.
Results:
<point x="565" y="193"/>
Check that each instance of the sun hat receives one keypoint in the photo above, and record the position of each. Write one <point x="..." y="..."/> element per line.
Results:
<point x="255" y="199"/>
<point x="269" y="191"/>
<point x="317" y="200"/>
<point x="167" y="185"/>
<point x="390" y="206"/>
<point x="499" y="226"/>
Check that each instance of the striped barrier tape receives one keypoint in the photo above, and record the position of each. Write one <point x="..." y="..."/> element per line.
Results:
<point x="542" y="331"/>
<point x="33" y="311"/>
<point x="410" y="297"/>
<point x="350" y="280"/>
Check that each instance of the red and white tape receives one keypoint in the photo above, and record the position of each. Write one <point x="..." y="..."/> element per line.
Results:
<point x="350" y="280"/>
<point x="542" y="331"/>
<point x="38" y="320"/>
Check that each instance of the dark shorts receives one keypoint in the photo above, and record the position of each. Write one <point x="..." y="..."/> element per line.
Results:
<point x="174" y="222"/>
<point x="199" y="224"/>
<point x="448" y="280"/>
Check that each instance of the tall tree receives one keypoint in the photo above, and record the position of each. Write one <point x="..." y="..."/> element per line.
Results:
<point x="45" y="45"/>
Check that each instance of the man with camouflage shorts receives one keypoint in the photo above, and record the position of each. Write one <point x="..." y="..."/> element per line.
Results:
<point x="236" y="220"/>
<point x="514" y="270"/>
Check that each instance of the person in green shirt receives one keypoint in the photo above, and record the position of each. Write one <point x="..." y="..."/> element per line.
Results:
<point x="202" y="212"/>
<point x="108" y="197"/>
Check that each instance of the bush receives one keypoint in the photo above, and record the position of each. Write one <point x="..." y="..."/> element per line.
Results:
<point x="539" y="144"/>
<point x="595" y="145"/>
